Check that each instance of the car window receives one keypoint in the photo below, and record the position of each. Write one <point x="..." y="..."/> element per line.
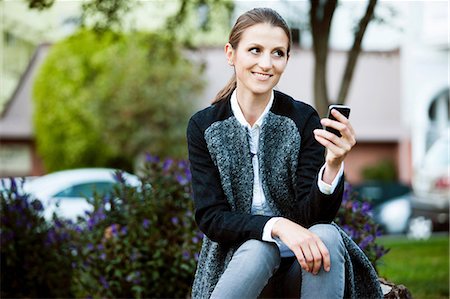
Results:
<point x="86" y="189"/>
<point x="438" y="155"/>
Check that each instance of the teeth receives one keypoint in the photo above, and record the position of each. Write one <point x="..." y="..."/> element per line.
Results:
<point x="262" y="75"/>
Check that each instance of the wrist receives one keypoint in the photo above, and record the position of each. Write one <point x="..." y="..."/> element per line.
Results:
<point x="330" y="172"/>
<point x="277" y="227"/>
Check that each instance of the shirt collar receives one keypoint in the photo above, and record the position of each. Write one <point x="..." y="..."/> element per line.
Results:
<point x="240" y="116"/>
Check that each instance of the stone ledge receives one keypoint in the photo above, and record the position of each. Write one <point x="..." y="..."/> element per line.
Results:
<point x="393" y="291"/>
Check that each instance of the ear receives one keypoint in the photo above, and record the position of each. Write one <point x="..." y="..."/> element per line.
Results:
<point x="229" y="53"/>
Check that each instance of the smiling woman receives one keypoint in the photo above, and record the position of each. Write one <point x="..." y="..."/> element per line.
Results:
<point x="264" y="194"/>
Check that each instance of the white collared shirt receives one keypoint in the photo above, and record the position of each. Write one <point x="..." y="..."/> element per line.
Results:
<point x="259" y="204"/>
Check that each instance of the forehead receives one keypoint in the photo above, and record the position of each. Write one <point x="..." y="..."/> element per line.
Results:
<point x="265" y="35"/>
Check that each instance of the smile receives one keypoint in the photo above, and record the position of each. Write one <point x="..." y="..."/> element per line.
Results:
<point x="262" y="76"/>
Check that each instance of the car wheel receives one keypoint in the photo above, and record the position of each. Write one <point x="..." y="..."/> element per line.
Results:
<point x="420" y="228"/>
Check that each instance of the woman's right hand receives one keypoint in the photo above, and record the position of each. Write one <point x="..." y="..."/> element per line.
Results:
<point x="310" y="251"/>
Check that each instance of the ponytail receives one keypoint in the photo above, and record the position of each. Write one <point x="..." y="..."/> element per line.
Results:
<point x="226" y="91"/>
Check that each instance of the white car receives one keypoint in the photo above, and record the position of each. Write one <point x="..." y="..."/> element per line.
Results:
<point x="431" y="185"/>
<point x="66" y="192"/>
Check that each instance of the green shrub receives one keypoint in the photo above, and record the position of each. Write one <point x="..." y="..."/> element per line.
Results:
<point x="141" y="243"/>
<point x="35" y="255"/>
<point x="383" y="171"/>
<point x="137" y="243"/>
<point x="354" y="217"/>
<point x="104" y="99"/>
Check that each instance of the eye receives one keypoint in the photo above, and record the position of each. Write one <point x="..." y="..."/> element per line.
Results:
<point x="279" y="53"/>
<point x="254" y="50"/>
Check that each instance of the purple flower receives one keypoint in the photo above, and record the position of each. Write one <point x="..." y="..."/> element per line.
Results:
<point x="167" y="164"/>
<point x="58" y="223"/>
<point x="182" y="180"/>
<point x="145" y="223"/>
<point x="78" y="229"/>
<point x="183" y="164"/>
<point x="124" y="230"/>
<point x="37" y="205"/>
<point x="188" y="174"/>
<point x="151" y="159"/>
<point x="367" y="227"/>
<point x="186" y="255"/>
<point x="175" y="220"/>
<point x="134" y="256"/>
<point x="103" y="256"/>
<point x="366" y="208"/>
<point x="91" y="223"/>
<point x="51" y="237"/>
<point x="114" y="228"/>
<point x="347" y="191"/>
<point x="195" y="240"/>
<point x="196" y="257"/>
<point x="365" y="242"/>
<point x="104" y="283"/>
<point x="129" y="277"/>
<point x="119" y="177"/>
<point x="90" y="246"/>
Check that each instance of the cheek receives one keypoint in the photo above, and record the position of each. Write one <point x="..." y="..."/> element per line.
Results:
<point x="280" y="66"/>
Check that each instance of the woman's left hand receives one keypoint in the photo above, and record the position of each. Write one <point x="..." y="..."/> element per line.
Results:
<point x="337" y="147"/>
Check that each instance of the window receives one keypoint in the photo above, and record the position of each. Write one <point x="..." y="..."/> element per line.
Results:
<point x="86" y="189"/>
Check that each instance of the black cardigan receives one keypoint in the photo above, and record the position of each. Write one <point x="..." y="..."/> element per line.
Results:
<point x="222" y="179"/>
<point x="290" y="159"/>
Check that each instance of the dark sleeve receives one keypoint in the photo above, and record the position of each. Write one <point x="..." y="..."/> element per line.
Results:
<point x="212" y="211"/>
<point x="314" y="206"/>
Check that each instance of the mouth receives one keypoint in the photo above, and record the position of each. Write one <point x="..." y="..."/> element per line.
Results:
<point x="262" y="76"/>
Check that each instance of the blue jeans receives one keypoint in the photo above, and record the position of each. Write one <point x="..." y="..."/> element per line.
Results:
<point x="256" y="270"/>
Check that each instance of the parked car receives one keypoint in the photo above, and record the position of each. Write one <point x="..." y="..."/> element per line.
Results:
<point x="391" y="202"/>
<point x="431" y="185"/>
<point x="66" y="192"/>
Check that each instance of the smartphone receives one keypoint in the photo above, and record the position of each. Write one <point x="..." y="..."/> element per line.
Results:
<point x="344" y="110"/>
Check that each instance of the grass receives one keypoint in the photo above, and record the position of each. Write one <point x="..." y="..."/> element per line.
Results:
<point x="422" y="266"/>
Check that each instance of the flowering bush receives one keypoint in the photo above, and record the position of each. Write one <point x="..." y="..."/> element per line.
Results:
<point x="141" y="242"/>
<point x="355" y="218"/>
<point x="35" y="255"/>
<point x="137" y="243"/>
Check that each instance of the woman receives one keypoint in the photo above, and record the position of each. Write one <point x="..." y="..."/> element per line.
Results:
<point x="264" y="195"/>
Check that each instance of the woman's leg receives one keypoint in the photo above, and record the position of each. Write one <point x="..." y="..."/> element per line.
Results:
<point x="251" y="266"/>
<point x="327" y="284"/>
<point x="295" y="283"/>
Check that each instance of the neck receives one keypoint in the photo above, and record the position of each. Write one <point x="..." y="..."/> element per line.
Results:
<point x="252" y="105"/>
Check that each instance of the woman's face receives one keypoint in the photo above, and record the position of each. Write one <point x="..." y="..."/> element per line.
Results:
<point x="259" y="59"/>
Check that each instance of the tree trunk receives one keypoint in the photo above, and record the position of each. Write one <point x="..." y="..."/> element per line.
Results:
<point x="320" y="21"/>
<point x="353" y="54"/>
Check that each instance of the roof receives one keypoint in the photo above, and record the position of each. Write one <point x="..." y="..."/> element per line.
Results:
<point x="16" y="121"/>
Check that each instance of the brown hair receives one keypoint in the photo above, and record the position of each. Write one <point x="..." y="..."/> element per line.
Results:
<point x="248" y="19"/>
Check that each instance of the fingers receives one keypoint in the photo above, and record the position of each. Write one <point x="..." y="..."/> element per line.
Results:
<point x="311" y="255"/>
<point x="342" y="119"/>
<point x="345" y="129"/>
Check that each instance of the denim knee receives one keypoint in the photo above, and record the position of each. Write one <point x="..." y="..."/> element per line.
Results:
<point x="330" y="236"/>
<point x="259" y="253"/>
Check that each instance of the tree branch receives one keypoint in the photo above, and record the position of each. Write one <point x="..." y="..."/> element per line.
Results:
<point x="353" y="54"/>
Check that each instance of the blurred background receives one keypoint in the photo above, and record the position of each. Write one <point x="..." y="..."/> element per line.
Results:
<point x="98" y="84"/>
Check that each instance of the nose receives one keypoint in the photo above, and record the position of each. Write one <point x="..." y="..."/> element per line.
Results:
<point x="265" y="61"/>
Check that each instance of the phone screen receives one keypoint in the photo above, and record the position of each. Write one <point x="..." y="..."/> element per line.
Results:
<point x="344" y="110"/>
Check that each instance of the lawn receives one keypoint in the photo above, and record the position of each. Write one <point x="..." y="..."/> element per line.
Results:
<point x="422" y="266"/>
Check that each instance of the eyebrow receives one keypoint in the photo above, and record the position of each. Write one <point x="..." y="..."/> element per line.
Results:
<point x="261" y="46"/>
